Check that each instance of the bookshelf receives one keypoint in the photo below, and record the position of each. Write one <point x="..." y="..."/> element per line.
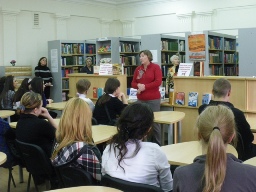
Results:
<point x="221" y="55"/>
<point x="90" y="50"/>
<point x="166" y="46"/>
<point x="65" y="57"/>
<point x="119" y="50"/>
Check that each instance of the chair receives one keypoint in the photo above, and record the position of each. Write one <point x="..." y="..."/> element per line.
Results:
<point x="70" y="175"/>
<point x="127" y="186"/>
<point x="73" y="176"/>
<point x="35" y="160"/>
<point x="94" y="121"/>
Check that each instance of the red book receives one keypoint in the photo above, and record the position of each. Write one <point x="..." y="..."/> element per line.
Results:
<point x="95" y="92"/>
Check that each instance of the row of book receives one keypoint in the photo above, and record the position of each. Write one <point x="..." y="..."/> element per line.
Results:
<point x="179" y="98"/>
<point x="170" y="45"/>
<point x="217" y="43"/>
<point x="128" y="60"/>
<point x="129" y="70"/>
<point x="105" y="48"/>
<point x="97" y="92"/>
<point x="90" y="48"/>
<point x="127" y="47"/>
<point x="72" y="48"/>
<point x="74" y="60"/>
<point x="215" y="57"/>
<point x="65" y="84"/>
<point x="230" y="58"/>
<point x="65" y="72"/>
<point x="228" y="71"/>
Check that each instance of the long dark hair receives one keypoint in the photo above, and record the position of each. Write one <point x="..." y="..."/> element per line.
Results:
<point x="37" y="85"/>
<point x="8" y="85"/>
<point x="110" y="87"/>
<point x="133" y="125"/>
<point x="2" y="81"/>
<point x="22" y="89"/>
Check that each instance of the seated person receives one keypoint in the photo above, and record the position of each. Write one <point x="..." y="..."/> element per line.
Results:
<point x="221" y="92"/>
<point x="88" y="68"/>
<point x="128" y="158"/>
<point x="216" y="170"/>
<point x="82" y="87"/>
<point x="111" y="103"/>
<point x="24" y="87"/>
<point x="72" y="136"/>
<point x="30" y="128"/>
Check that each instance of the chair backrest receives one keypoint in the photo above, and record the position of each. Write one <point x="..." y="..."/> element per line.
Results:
<point x="34" y="158"/>
<point x="94" y="121"/>
<point x="70" y="175"/>
<point x="127" y="186"/>
<point x="73" y="176"/>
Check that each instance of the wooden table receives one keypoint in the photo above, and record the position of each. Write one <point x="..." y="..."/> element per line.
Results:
<point x="251" y="161"/>
<point x="100" y="133"/>
<point x="6" y="114"/>
<point x="87" y="188"/>
<point x="170" y="118"/>
<point x="56" y="106"/>
<point x="184" y="153"/>
<point x="3" y="158"/>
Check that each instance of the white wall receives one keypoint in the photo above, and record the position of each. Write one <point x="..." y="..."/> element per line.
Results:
<point x="19" y="40"/>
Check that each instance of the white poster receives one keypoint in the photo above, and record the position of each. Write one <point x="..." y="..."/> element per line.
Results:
<point x="54" y="60"/>
<point x="185" y="69"/>
<point x="154" y="54"/>
<point x="106" y="69"/>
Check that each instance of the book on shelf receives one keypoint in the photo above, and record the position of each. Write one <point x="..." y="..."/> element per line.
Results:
<point x="100" y="92"/>
<point x="180" y="98"/>
<point x="162" y="92"/>
<point x="193" y="99"/>
<point x="198" y="68"/>
<point x="95" y="92"/>
<point x="64" y="96"/>
<point x="206" y="98"/>
<point x="132" y="93"/>
<point x="96" y="69"/>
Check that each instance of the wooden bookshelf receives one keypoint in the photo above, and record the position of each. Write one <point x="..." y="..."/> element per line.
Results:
<point x="242" y="96"/>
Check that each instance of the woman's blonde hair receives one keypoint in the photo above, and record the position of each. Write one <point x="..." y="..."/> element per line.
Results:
<point x="216" y="127"/>
<point x="75" y="124"/>
<point x="29" y="101"/>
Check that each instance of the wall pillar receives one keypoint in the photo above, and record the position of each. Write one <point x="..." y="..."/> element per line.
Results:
<point x="128" y="27"/>
<point x="185" y="21"/>
<point x="9" y="36"/>
<point x="203" y="20"/>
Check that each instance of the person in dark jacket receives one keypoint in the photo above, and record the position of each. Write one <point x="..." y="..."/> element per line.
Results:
<point x="41" y="70"/>
<point x="88" y="68"/>
<point x="221" y="92"/>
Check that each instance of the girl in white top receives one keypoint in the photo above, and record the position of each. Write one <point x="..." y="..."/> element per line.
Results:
<point x="127" y="157"/>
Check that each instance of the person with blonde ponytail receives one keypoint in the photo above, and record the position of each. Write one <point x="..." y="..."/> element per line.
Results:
<point x="216" y="170"/>
<point x="74" y="133"/>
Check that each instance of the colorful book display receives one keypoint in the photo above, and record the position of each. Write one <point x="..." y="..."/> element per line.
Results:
<point x="192" y="99"/>
<point x="206" y="98"/>
<point x="180" y="98"/>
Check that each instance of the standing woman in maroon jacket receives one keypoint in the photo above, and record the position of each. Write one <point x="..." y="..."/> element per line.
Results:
<point x="147" y="79"/>
<point x="41" y="70"/>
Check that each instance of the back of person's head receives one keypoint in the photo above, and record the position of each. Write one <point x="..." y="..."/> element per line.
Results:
<point x="22" y="89"/>
<point x="148" y="53"/>
<point x="75" y="124"/>
<point x="216" y="127"/>
<point x="111" y="85"/>
<point x="221" y="87"/>
<point x="83" y="85"/>
<point x="2" y="82"/>
<point x="133" y="124"/>
<point x="37" y="85"/>
<point x="8" y="85"/>
<point x="29" y="101"/>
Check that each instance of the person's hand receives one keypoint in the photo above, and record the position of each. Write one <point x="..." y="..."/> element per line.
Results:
<point x="50" y="101"/>
<point x="45" y="113"/>
<point x="121" y="95"/>
<point x="141" y="87"/>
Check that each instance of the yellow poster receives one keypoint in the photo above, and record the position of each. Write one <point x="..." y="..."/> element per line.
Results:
<point x="196" y="45"/>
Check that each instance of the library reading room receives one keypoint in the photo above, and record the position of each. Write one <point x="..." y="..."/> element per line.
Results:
<point x="133" y="96"/>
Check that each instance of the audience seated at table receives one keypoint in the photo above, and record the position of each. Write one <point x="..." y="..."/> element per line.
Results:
<point x="221" y="91"/>
<point x="75" y="134"/>
<point x="128" y="158"/>
<point x="216" y="170"/>
<point x="82" y="87"/>
<point x="110" y="104"/>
